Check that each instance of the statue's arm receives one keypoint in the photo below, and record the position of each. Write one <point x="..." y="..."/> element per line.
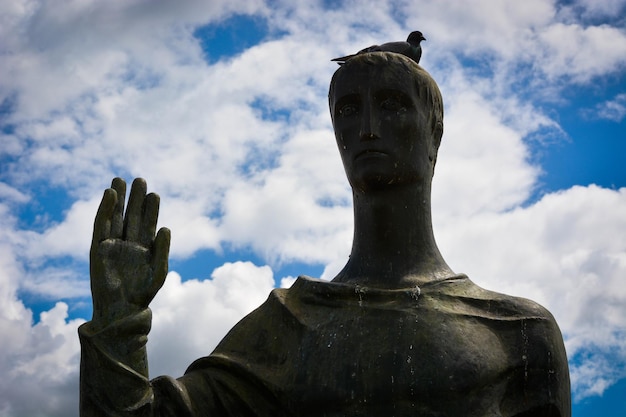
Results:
<point x="541" y="386"/>
<point x="128" y="266"/>
<point x="548" y="369"/>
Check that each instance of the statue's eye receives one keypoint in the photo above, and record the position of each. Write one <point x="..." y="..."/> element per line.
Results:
<point x="393" y="104"/>
<point x="348" y="110"/>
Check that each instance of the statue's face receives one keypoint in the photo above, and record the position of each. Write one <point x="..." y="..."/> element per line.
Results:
<point x="382" y="128"/>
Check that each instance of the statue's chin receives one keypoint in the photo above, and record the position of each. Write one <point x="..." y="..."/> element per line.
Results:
<point x="378" y="181"/>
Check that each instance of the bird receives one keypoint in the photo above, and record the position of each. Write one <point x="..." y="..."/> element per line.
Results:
<point x="410" y="48"/>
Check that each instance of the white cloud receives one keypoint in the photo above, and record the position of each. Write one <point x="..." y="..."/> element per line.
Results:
<point x="536" y="36"/>
<point x="71" y="237"/>
<point x="84" y="45"/>
<point x="39" y="363"/>
<point x="41" y="373"/>
<point x="598" y="371"/>
<point x="482" y="164"/>
<point x="614" y="110"/>
<point x="287" y="282"/>
<point x="506" y="30"/>
<point x="10" y="194"/>
<point x="285" y="213"/>
<point x="191" y="317"/>
<point x="579" y="52"/>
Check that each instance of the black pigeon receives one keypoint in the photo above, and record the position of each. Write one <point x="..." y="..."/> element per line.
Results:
<point x="411" y="48"/>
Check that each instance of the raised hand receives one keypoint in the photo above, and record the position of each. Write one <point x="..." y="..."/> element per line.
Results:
<point x="128" y="263"/>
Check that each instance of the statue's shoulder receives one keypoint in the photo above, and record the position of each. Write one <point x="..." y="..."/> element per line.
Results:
<point x="489" y="302"/>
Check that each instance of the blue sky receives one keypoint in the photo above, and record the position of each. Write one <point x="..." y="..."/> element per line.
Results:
<point x="222" y="108"/>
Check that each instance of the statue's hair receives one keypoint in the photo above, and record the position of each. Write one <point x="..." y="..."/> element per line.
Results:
<point x="425" y="85"/>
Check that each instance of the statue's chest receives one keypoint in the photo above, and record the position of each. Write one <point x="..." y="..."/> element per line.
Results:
<point x="390" y="355"/>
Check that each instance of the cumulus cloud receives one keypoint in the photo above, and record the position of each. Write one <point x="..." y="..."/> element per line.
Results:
<point x="242" y="153"/>
<point x="10" y="194"/>
<point x="191" y="317"/>
<point x="39" y="363"/>
<point x="483" y="162"/>
<point x="566" y="49"/>
<point x="293" y="212"/>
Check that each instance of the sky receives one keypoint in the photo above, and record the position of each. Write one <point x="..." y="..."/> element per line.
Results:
<point x="222" y="107"/>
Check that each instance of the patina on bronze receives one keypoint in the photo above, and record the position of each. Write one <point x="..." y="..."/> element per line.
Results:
<point x="396" y="333"/>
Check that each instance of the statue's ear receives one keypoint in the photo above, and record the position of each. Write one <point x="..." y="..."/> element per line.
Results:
<point x="437" y="134"/>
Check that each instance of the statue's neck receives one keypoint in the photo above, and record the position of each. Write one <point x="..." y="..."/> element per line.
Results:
<point x="393" y="245"/>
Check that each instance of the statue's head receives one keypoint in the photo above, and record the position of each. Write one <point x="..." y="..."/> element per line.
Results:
<point x="387" y="113"/>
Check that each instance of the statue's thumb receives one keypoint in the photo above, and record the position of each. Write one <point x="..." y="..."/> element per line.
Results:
<point x="160" y="260"/>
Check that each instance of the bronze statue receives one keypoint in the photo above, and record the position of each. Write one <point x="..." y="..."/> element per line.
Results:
<point x="396" y="333"/>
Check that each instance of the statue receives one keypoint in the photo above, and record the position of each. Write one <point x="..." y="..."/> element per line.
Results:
<point x="396" y="333"/>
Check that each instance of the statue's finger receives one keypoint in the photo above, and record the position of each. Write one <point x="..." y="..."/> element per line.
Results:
<point x="149" y="219"/>
<point x="102" y="223"/>
<point x="117" y="221"/>
<point x="134" y="211"/>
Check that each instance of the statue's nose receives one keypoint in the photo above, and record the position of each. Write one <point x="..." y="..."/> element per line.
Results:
<point x="369" y="123"/>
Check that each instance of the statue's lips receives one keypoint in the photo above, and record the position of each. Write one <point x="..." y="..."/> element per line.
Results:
<point x="370" y="153"/>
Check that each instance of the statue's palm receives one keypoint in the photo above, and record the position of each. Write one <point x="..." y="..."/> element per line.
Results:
<point x="128" y="264"/>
